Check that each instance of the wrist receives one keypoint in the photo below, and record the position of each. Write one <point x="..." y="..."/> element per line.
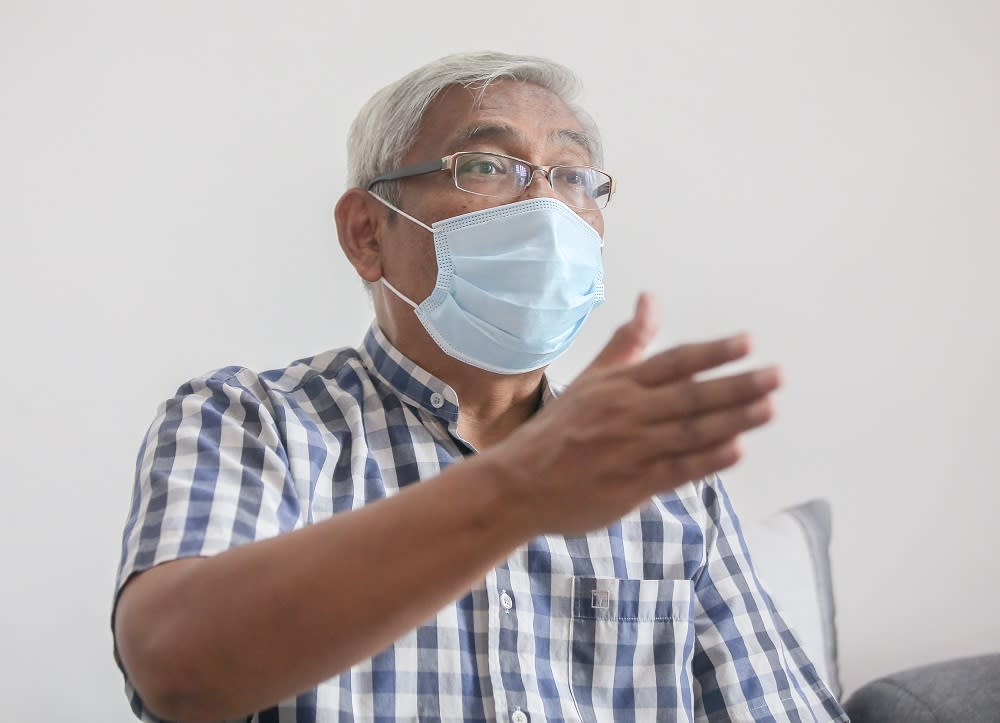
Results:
<point x="511" y="494"/>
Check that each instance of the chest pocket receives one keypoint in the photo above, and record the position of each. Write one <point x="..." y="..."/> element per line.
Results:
<point x="631" y="647"/>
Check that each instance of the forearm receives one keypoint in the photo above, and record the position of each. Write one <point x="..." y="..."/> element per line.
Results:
<point x="227" y="635"/>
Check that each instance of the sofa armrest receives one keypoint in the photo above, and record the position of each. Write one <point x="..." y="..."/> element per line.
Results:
<point x="964" y="689"/>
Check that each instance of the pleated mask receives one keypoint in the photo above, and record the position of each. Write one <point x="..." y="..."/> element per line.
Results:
<point x="515" y="284"/>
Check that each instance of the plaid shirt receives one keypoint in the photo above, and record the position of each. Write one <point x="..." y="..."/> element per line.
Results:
<point x="658" y="617"/>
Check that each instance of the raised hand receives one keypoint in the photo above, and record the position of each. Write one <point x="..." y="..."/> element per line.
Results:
<point x="629" y="428"/>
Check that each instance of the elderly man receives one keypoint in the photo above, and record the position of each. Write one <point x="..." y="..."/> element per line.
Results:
<point x="424" y="528"/>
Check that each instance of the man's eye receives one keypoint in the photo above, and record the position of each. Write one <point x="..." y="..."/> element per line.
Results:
<point x="487" y="168"/>
<point x="576" y="177"/>
<point x="482" y="168"/>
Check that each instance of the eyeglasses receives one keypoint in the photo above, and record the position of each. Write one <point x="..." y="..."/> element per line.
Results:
<point x="499" y="176"/>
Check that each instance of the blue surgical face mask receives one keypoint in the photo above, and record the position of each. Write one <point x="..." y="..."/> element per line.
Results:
<point x="515" y="284"/>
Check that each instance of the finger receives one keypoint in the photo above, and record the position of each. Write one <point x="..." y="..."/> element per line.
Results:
<point x="668" y="473"/>
<point x="681" y="437"/>
<point x="630" y="340"/>
<point x="689" y="359"/>
<point x="691" y="397"/>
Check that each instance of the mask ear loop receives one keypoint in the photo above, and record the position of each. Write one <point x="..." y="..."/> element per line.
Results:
<point x="397" y="292"/>
<point x="404" y="214"/>
<point x="385" y="283"/>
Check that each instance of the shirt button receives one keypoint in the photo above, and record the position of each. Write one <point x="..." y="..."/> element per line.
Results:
<point x="519" y="716"/>
<point x="437" y="401"/>
<point x="508" y="602"/>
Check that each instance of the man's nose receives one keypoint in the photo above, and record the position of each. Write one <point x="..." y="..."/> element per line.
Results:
<point x="539" y="186"/>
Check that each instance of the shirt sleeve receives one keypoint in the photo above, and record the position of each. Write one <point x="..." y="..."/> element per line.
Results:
<point x="212" y="473"/>
<point x="748" y="665"/>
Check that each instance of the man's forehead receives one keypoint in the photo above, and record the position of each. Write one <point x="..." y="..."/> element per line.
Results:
<point x="506" y="112"/>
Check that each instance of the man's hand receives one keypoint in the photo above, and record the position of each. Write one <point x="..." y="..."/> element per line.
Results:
<point x="629" y="428"/>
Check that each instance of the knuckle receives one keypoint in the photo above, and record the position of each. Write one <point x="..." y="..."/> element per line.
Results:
<point x="628" y="334"/>
<point x="686" y="432"/>
<point x="675" y="357"/>
<point x="688" y="397"/>
<point x="668" y="363"/>
<point x="752" y="384"/>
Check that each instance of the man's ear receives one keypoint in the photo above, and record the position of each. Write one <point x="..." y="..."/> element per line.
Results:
<point x="357" y="217"/>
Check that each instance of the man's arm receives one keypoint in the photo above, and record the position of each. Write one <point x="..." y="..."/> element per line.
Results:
<point x="223" y="636"/>
<point x="215" y="637"/>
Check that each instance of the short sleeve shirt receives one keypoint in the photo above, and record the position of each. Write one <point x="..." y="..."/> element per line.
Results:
<point x="659" y="617"/>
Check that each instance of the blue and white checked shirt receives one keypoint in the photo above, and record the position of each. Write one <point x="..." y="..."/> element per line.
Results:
<point x="660" y="617"/>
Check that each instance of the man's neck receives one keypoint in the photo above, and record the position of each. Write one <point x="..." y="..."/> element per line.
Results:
<point x="491" y="405"/>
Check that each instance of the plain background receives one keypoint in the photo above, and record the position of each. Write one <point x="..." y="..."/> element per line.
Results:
<point x="825" y="177"/>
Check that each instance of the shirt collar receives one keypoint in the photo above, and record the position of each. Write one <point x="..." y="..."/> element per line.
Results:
<point x="415" y="385"/>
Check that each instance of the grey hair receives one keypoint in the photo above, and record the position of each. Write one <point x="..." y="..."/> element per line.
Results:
<point x="387" y="124"/>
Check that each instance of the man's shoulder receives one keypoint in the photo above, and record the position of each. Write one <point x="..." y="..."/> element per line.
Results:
<point x="335" y="366"/>
<point x="327" y="370"/>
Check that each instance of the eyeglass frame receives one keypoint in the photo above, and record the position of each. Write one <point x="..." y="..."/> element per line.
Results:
<point x="448" y="164"/>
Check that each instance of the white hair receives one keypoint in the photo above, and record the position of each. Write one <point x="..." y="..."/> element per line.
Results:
<point x="387" y="124"/>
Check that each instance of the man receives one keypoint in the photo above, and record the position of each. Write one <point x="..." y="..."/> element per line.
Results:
<point x="424" y="528"/>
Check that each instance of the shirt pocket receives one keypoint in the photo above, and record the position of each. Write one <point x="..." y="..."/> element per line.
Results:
<point x="631" y="647"/>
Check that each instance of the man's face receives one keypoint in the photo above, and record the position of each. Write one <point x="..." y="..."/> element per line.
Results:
<point x="514" y="118"/>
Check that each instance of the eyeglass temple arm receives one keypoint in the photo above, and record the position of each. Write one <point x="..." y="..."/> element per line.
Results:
<point x="408" y="171"/>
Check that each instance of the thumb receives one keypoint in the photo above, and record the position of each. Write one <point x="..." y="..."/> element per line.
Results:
<point x="630" y="340"/>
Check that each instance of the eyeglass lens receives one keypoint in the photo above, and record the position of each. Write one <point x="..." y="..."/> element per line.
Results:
<point x="490" y="174"/>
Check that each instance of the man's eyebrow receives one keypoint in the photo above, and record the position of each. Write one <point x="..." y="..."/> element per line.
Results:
<point x="579" y="138"/>
<point x="503" y="132"/>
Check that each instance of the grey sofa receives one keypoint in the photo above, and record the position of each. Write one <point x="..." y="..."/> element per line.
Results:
<point x="791" y="551"/>
<point x="965" y="690"/>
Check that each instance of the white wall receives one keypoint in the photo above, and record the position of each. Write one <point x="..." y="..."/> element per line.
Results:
<point x="825" y="177"/>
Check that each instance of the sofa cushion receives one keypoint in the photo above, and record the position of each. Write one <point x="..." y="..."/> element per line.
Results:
<point x="964" y="689"/>
<point x="791" y="553"/>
